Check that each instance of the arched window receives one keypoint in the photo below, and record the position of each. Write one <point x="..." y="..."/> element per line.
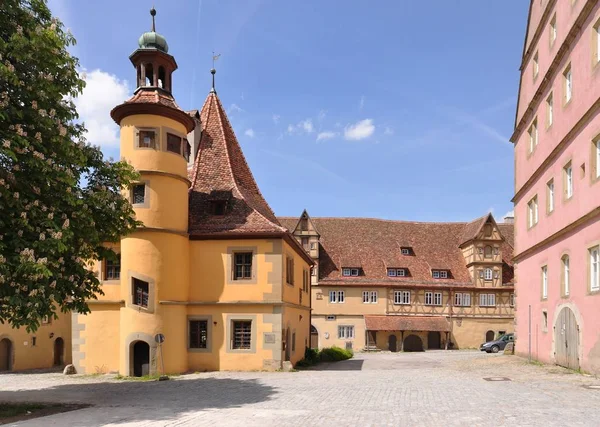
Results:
<point x="149" y="75"/>
<point x="161" y="78"/>
<point x="488" y="274"/>
<point x="139" y="76"/>
<point x="565" y="274"/>
<point x="487" y="251"/>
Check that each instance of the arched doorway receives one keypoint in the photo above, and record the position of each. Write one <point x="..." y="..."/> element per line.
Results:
<point x="392" y="343"/>
<point x="59" y="350"/>
<point x="489" y="336"/>
<point x="314" y="337"/>
<point x="141" y="359"/>
<point x="413" y="343"/>
<point x="6" y="350"/>
<point x="434" y="340"/>
<point x="566" y="339"/>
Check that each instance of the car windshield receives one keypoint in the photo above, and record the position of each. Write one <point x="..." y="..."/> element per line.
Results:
<point x="504" y="337"/>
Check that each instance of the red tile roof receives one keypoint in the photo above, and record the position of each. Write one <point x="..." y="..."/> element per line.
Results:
<point x="406" y="323"/>
<point x="220" y="172"/>
<point x="374" y="245"/>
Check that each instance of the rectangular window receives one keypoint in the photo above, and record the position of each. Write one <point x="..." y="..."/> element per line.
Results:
<point x="354" y="272"/>
<point x="242" y="268"/>
<point x="242" y="334"/>
<point x="568" y="180"/>
<point x="400" y="272"/>
<point x="365" y="297"/>
<point x="595" y="269"/>
<point x="314" y="271"/>
<point x="198" y="333"/>
<point x="405" y="251"/>
<point x="462" y="299"/>
<point x="336" y="297"/>
<point x="487" y="300"/>
<point x="566" y="274"/>
<point x="536" y="65"/>
<point x="374" y="297"/>
<point x="138" y="194"/>
<point x="289" y="271"/>
<point x="435" y="274"/>
<point x="550" y="110"/>
<point x="596" y="41"/>
<point x="533" y="136"/>
<point x="568" y="85"/>
<point x="369" y="297"/>
<point x="305" y="280"/>
<point x="305" y="243"/>
<point x="550" y="196"/>
<point x="46" y="320"/>
<point x="140" y="292"/>
<point x="147" y="139"/>
<point x="313" y="245"/>
<point x="346" y="272"/>
<point x="433" y="298"/>
<point x="401" y="297"/>
<point x="188" y="150"/>
<point x="345" y="332"/>
<point x="532" y="208"/>
<point x="544" y="282"/>
<point x="553" y="31"/>
<point x="391" y="272"/>
<point x="330" y="318"/>
<point x="511" y="300"/>
<point x="443" y="274"/>
<point x="428" y="298"/>
<point x="488" y="274"/>
<point x="173" y="143"/>
<point x="545" y="321"/>
<point x="596" y="158"/>
<point x="112" y="269"/>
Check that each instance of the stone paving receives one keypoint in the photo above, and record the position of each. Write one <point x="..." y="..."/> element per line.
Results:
<point x="384" y="389"/>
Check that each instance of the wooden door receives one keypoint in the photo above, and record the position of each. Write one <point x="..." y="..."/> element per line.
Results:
<point x="314" y="337"/>
<point x="434" y="340"/>
<point x="392" y="343"/>
<point x="59" y="348"/>
<point x="566" y="339"/>
<point x="5" y="355"/>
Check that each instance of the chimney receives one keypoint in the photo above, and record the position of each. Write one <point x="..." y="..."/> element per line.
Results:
<point x="509" y="219"/>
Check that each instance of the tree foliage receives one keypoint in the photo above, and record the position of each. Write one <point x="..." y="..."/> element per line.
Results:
<point x="60" y="200"/>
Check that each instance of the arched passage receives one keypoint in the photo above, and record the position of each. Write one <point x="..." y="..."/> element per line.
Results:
<point x="314" y="337"/>
<point x="6" y="354"/>
<point x="413" y="343"/>
<point x="566" y="339"/>
<point x="59" y="352"/>
<point x="140" y="358"/>
<point x="489" y="336"/>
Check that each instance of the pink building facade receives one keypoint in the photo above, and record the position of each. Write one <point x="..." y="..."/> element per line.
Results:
<point x="557" y="186"/>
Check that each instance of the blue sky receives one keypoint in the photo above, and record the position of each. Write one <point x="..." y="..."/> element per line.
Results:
<point x="391" y="109"/>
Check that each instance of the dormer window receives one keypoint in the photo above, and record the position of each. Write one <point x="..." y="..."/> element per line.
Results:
<point x="348" y="272"/>
<point x="218" y="207"/>
<point x="405" y="251"/>
<point x="396" y="272"/>
<point x="439" y="274"/>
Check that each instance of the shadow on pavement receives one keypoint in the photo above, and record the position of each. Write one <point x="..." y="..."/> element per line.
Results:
<point x="344" y="365"/>
<point x="152" y="400"/>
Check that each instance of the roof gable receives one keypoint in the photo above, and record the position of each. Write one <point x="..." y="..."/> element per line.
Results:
<point x="303" y="225"/>
<point x="475" y="230"/>
<point x="220" y="175"/>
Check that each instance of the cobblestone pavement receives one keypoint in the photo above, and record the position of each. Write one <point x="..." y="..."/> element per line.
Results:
<point x="401" y="389"/>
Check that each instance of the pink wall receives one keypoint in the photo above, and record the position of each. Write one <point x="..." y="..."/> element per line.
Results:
<point x="586" y="192"/>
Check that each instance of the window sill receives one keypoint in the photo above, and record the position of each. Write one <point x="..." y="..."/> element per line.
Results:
<point x="199" y="350"/>
<point x="567" y="104"/>
<point x="111" y="282"/>
<point x="593" y="292"/>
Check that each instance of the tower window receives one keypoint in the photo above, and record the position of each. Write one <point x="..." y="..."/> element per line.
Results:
<point x="243" y="266"/>
<point x="138" y="194"/>
<point x="112" y="269"/>
<point x="147" y="139"/>
<point x="161" y="77"/>
<point x="173" y="143"/>
<point x="218" y="207"/>
<point x="188" y="150"/>
<point x="140" y="292"/>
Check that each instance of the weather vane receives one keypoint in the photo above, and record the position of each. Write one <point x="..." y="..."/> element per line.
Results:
<point x="213" y="71"/>
<point x="215" y="57"/>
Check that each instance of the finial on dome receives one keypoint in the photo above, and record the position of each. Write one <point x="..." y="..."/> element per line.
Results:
<point x="213" y="72"/>
<point x="153" y="13"/>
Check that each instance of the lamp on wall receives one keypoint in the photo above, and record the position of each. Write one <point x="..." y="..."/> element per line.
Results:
<point x="300" y="316"/>
<point x="51" y="335"/>
<point x="215" y="323"/>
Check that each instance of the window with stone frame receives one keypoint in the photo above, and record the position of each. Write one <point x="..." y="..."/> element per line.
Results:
<point x="402" y="297"/>
<point x="242" y="265"/>
<point x="112" y="268"/>
<point x="241" y="334"/>
<point x="487" y="300"/>
<point x="140" y="290"/>
<point x="289" y="271"/>
<point x="138" y="194"/>
<point x="198" y="333"/>
<point x="462" y="299"/>
<point x="433" y="298"/>
<point x="147" y="138"/>
<point x="173" y="143"/>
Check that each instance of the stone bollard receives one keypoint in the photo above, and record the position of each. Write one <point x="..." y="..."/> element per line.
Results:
<point x="510" y="348"/>
<point x="69" y="370"/>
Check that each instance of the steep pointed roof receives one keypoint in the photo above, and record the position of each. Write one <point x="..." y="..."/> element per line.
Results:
<point x="221" y="175"/>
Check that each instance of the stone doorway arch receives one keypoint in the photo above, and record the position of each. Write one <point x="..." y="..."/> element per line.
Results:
<point x="489" y="336"/>
<point x="314" y="337"/>
<point x="566" y="339"/>
<point x="59" y="352"/>
<point x="140" y="356"/>
<point x="413" y="343"/>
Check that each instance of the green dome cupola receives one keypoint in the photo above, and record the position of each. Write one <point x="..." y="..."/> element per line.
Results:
<point x="153" y="40"/>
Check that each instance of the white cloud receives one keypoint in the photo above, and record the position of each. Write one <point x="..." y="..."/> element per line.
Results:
<point x="249" y="132"/>
<point x="362" y="102"/>
<point x="103" y="91"/>
<point x="304" y="126"/>
<point x="388" y="131"/>
<point x="276" y="118"/>
<point x="359" y="130"/>
<point x="234" y="108"/>
<point x="326" y="135"/>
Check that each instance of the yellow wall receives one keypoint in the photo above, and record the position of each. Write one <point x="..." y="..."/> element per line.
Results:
<point x="470" y="332"/>
<point x="24" y="355"/>
<point x="328" y="331"/>
<point x="96" y="340"/>
<point x="297" y="322"/>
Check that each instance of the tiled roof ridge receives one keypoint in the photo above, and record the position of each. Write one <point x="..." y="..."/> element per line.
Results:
<point x="350" y="218"/>
<point x="197" y="159"/>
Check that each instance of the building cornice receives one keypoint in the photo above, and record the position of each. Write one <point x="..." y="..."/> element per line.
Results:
<point x="557" y="151"/>
<point x="161" y="230"/>
<point x="239" y="302"/>
<point x="547" y="80"/>
<point x="538" y="33"/>
<point x="167" y="174"/>
<point x="570" y="227"/>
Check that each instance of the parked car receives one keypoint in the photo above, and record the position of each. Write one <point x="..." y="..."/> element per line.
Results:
<point x="496" y="345"/>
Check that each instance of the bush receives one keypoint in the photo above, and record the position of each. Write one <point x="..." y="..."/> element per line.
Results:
<point x="335" y="354"/>
<point x="311" y="355"/>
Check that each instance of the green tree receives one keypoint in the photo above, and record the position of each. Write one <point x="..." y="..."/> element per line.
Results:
<point x="60" y="200"/>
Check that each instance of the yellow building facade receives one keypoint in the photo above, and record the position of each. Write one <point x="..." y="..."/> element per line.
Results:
<point x="211" y="273"/>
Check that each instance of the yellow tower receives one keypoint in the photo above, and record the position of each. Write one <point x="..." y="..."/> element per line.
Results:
<point x="155" y="259"/>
